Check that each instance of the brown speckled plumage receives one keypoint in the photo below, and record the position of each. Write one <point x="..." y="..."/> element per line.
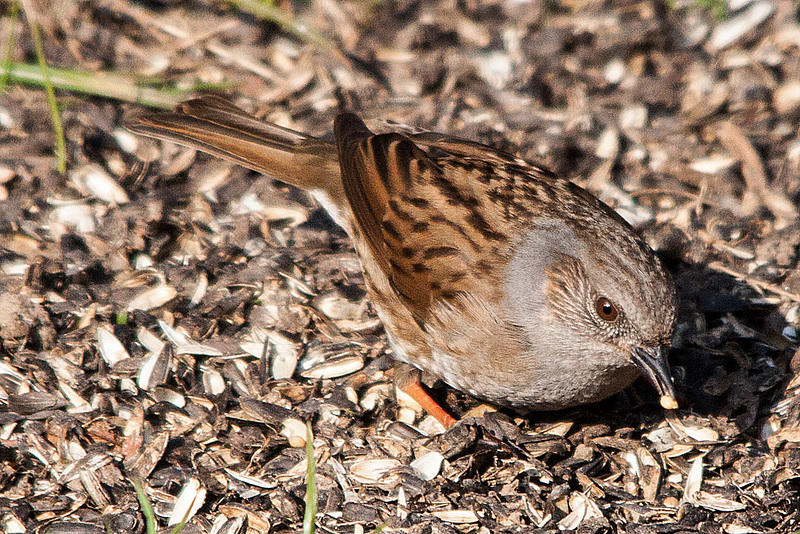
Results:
<point x="486" y="270"/>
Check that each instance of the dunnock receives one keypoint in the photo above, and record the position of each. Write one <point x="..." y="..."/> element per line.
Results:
<point x="489" y="272"/>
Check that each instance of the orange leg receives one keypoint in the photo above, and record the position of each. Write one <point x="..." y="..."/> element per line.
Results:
<point x="416" y="392"/>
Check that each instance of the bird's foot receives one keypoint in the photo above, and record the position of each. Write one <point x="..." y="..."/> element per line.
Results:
<point x="407" y="378"/>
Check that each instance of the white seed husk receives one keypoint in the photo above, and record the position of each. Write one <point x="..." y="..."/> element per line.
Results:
<point x="336" y="367"/>
<point x="93" y="180"/>
<point x="457" y="517"/>
<point x="428" y="465"/>
<point x="152" y="298"/>
<point x="213" y="382"/>
<point x="110" y="347"/>
<point x="253" y="481"/>
<point x="373" y="470"/>
<point x="295" y="431"/>
<point x="190" y="499"/>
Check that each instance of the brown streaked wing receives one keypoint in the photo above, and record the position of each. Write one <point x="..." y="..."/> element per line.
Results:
<point x="464" y="148"/>
<point x="370" y="165"/>
<point x="413" y="216"/>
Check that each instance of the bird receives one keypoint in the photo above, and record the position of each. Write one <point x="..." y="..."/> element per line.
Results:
<point x="491" y="273"/>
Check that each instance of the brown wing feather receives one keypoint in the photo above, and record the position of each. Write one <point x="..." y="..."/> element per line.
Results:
<point x="411" y="212"/>
<point x="463" y="148"/>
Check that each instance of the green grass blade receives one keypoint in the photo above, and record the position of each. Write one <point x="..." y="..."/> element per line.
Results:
<point x="147" y="510"/>
<point x="55" y="115"/>
<point x="106" y="84"/>
<point x="182" y="524"/>
<point x="718" y="8"/>
<point x="13" y="16"/>
<point x="309" y="525"/>
<point x="178" y="527"/>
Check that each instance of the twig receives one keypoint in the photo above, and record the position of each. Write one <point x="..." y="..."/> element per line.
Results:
<point x="753" y="171"/>
<point x="758" y="284"/>
<point x="285" y="20"/>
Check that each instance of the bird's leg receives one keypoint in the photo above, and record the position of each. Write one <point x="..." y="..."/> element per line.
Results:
<point x="407" y="378"/>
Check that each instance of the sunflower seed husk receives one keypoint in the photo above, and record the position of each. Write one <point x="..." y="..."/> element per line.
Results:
<point x="295" y="431"/>
<point x="264" y="412"/>
<point x="282" y="351"/>
<point x="149" y="341"/>
<point x="94" y="181"/>
<point x="111" y="349"/>
<point x="163" y="394"/>
<point x="694" y="480"/>
<point x="77" y="404"/>
<point x="11" y="382"/>
<point x="335" y="367"/>
<point x="234" y="525"/>
<point x="295" y="214"/>
<point x="428" y="465"/>
<point x="11" y="525"/>
<point x="711" y="501"/>
<point x="184" y="344"/>
<point x="72" y="527"/>
<point x="190" y="499"/>
<point x="213" y="382"/>
<point x="649" y="474"/>
<point x="373" y="470"/>
<point x="152" y="298"/>
<point x="256" y="520"/>
<point x="374" y="395"/>
<point x="457" y="517"/>
<point x="251" y="480"/>
<point x="693" y="493"/>
<point x="200" y="290"/>
<point x="729" y="32"/>
<point x="33" y="402"/>
<point x="144" y="463"/>
<point x="581" y="509"/>
<point x="693" y="430"/>
<point x="155" y="369"/>
<point x="78" y="216"/>
<point x="94" y="488"/>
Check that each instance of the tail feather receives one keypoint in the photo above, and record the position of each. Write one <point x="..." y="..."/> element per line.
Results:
<point x="213" y="125"/>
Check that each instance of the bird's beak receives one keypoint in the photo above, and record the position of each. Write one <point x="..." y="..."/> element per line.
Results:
<point x="653" y="363"/>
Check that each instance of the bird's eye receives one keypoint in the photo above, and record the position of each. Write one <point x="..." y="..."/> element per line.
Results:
<point x="606" y="309"/>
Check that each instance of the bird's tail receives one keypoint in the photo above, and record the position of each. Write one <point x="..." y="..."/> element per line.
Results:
<point x="214" y="125"/>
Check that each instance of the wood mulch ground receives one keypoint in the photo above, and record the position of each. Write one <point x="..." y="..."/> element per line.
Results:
<point x="170" y="317"/>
